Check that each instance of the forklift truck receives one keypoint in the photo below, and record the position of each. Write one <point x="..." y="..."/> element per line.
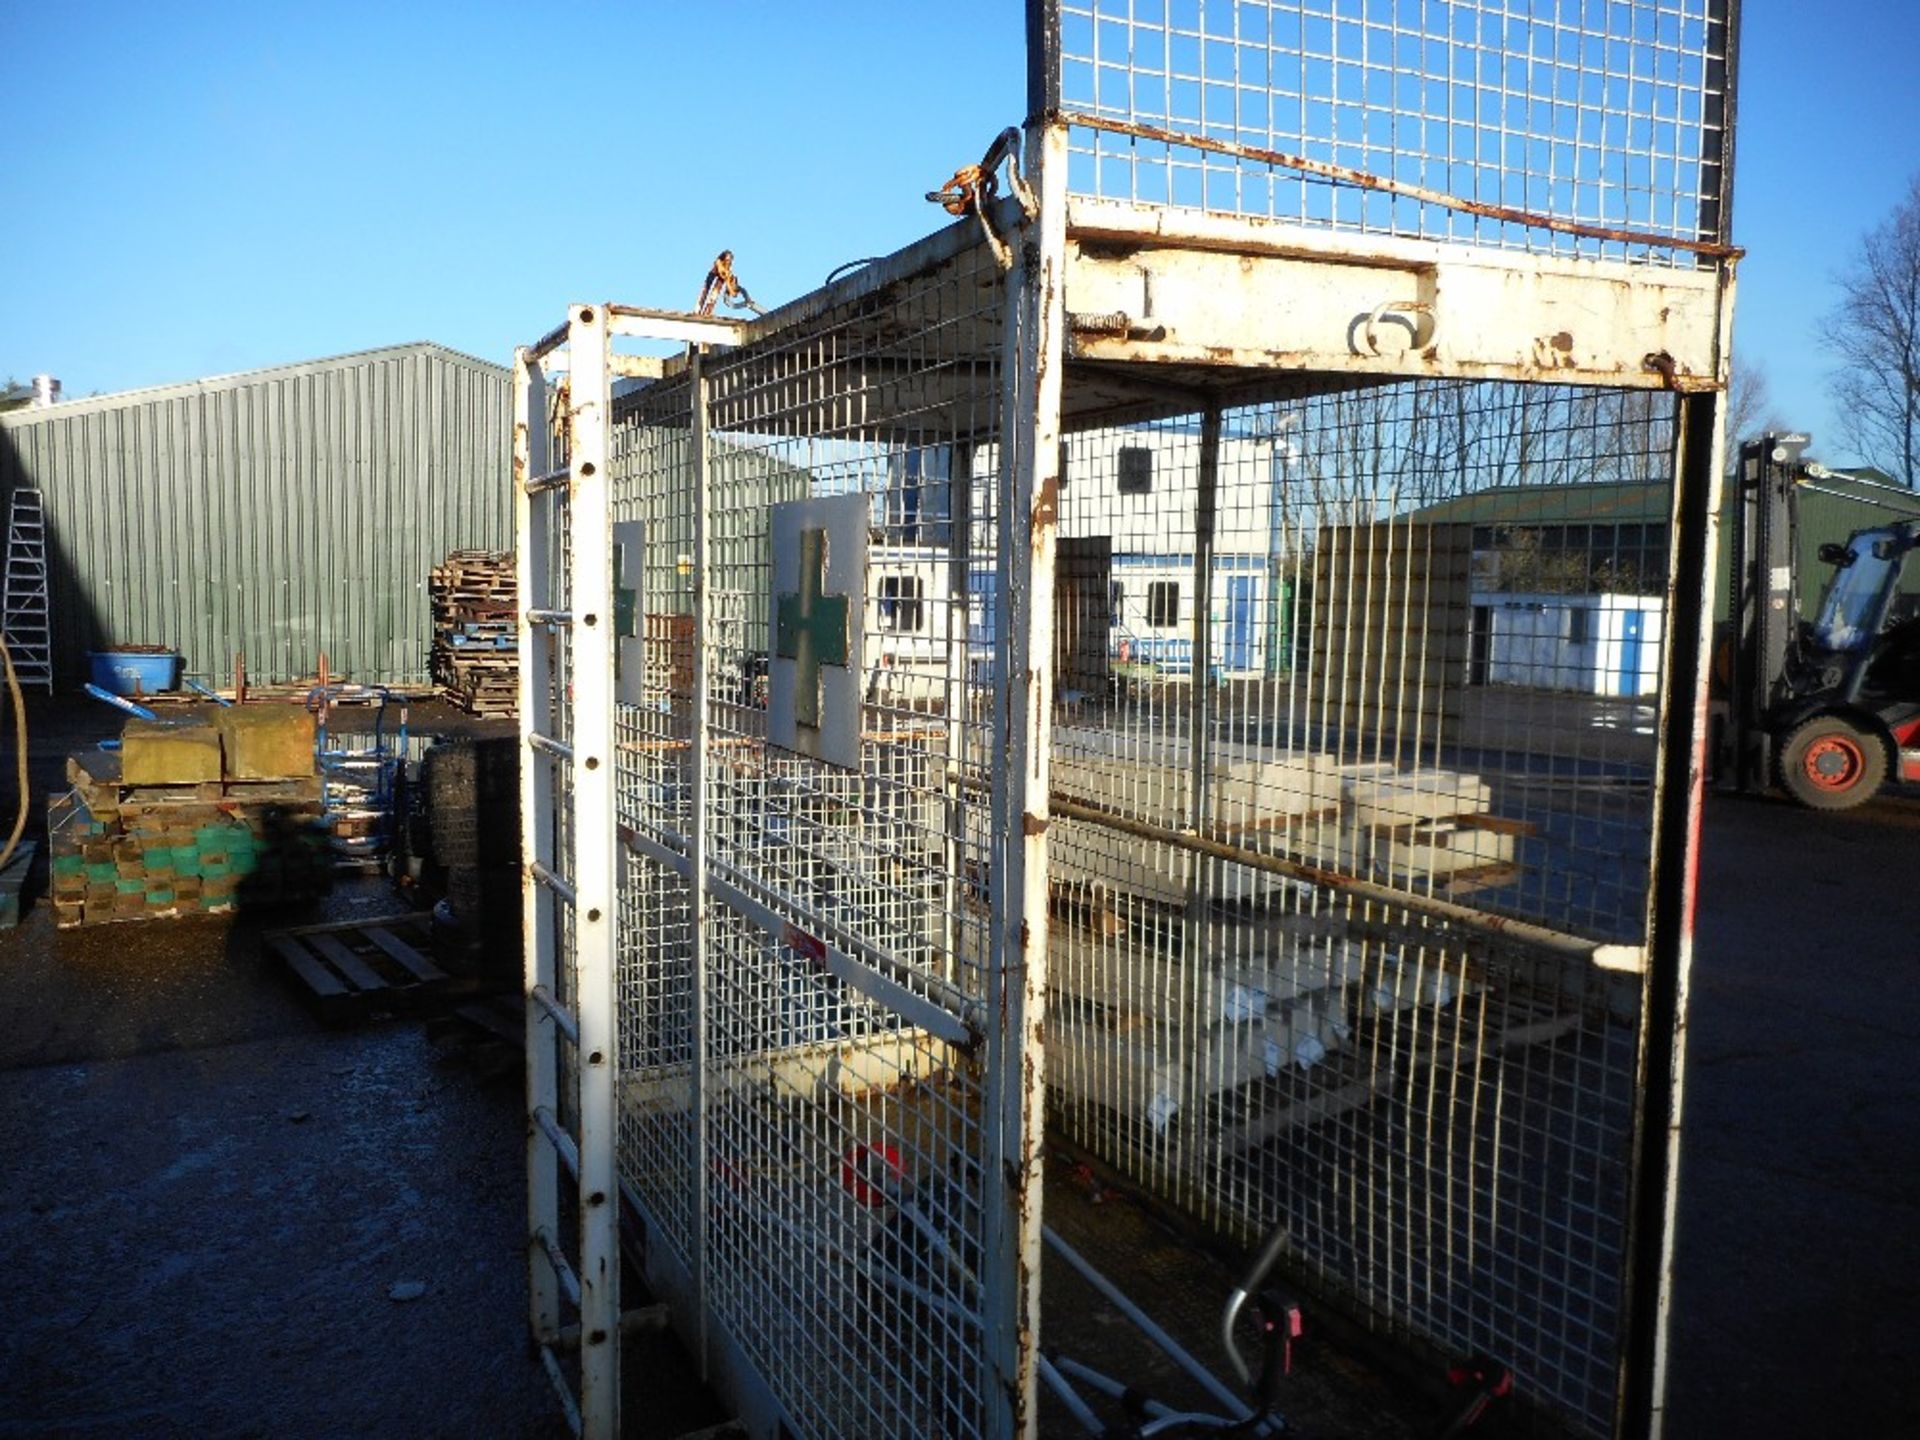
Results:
<point x="1827" y="708"/>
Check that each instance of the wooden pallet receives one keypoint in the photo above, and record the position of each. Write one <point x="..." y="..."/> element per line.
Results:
<point x="474" y="612"/>
<point x="358" y="968"/>
<point x="1357" y="1080"/>
<point x="212" y="792"/>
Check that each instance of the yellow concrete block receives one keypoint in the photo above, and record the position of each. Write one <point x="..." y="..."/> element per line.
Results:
<point x="267" y="742"/>
<point x="169" y="752"/>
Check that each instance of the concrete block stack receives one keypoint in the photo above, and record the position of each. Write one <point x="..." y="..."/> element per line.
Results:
<point x="1276" y="992"/>
<point x="1258" y="797"/>
<point x="475" y="657"/>
<point x="1426" y="827"/>
<point x="165" y="828"/>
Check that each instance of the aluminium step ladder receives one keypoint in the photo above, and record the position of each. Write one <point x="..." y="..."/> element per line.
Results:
<point x="25" y="607"/>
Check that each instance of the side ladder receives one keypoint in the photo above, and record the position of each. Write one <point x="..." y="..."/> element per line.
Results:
<point x="569" y="870"/>
<point x="25" y="608"/>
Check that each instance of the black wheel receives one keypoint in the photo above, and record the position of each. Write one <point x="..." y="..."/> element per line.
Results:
<point x="1829" y="763"/>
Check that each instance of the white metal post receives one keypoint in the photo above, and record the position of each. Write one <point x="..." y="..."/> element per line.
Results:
<point x="960" y="502"/>
<point x="595" y="875"/>
<point x="1200" y="700"/>
<point x="697" y="844"/>
<point x="1029" y="499"/>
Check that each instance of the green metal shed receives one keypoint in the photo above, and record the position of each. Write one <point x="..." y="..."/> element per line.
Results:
<point x="279" y="513"/>
<point x="1831" y="509"/>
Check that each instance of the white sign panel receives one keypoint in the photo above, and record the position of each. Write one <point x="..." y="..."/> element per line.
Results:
<point x="815" y="615"/>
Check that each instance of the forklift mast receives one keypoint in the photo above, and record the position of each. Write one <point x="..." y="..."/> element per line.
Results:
<point x="1763" y="600"/>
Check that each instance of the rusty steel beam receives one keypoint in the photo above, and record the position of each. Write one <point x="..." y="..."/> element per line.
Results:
<point x="1365" y="180"/>
<point x="1156" y="288"/>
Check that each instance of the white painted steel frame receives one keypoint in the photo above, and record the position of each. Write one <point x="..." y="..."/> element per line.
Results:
<point x="1012" y="1014"/>
<point x="1035" y="343"/>
<point x="580" y="1078"/>
<point x="697" y="854"/>
<point x="1020" y="798"/>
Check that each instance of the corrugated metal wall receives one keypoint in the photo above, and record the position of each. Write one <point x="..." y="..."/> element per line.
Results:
<point x="280" y="513"/>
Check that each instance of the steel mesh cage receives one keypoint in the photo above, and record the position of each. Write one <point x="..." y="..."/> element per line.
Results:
<point x="802" y="1109"/>
<point x="1193" y="664"/>
<point x="1439" y="119"/>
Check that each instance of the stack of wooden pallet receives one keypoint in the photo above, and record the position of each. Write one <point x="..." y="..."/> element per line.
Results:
<point x="475" y="660"/>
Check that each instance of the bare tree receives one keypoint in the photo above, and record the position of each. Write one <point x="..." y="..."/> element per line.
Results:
<point x="1875" y="332"/>
<point x="1750" y="412"/>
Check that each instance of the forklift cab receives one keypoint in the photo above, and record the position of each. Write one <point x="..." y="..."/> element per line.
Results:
<point x="1859" y="601"/>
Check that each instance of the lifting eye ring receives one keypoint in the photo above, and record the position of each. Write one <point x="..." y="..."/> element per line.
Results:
<point x="1424" y="328"/>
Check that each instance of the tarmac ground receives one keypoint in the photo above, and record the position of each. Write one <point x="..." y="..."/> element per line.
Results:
<point x="209" y="1199"/>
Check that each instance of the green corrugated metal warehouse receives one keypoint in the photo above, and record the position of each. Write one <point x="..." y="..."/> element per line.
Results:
<point x="279" y="513"/>
<point x="1615" y="518"/>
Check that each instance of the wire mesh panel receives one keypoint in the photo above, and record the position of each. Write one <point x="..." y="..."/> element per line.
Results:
<point x="1335" y="861"/>
<point x="1445" y="119"/>
<point x="1394" y="641"/>
<point x="652" y="456"/>
<point x="807" y="734"/>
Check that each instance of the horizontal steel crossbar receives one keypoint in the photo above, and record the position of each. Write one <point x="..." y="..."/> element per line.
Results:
<point x="561" y="1141"/>
<point x="945" y="1014"/>
<point x="562" y="1268"/>
<point x="558" y="884"/>
<point x="569" y="1407"/>
<point x="561" y="1016"/>
<point x="547" y="745"/>
<point x="642" y="323"/>
<point x="632" y="1322"/>
<point x="551" y="341"/>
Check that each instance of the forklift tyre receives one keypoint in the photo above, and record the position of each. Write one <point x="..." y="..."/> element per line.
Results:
<point x="1829" y="763"/>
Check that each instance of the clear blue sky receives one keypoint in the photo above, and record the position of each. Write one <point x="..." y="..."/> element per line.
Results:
<point x="194" y="189"/>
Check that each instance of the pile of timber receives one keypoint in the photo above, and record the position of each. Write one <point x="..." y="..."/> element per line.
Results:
<point x="146" y="852"/>
<point x="475" y="657"/>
